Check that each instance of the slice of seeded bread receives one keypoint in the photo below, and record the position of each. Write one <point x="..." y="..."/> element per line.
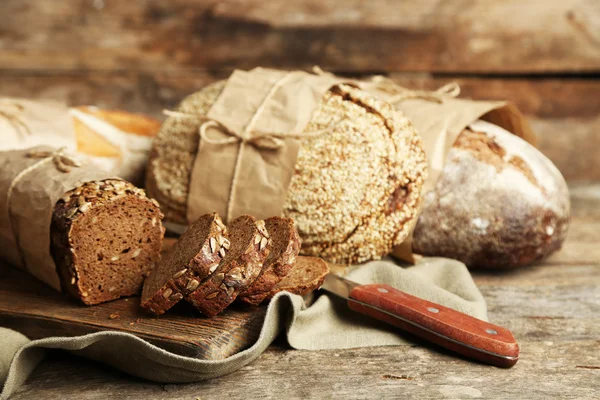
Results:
<point x="306" y="276"/>
<point x="250" y="246"/>
<point x="192" y="258"/>
<point x="285" y="247"/>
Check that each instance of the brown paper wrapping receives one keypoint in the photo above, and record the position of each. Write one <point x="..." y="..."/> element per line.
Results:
<point x="30" y="188"/>
<point x="252" y="135"/>
<point x="25" y="123"/>
<point x="440" y="122"/>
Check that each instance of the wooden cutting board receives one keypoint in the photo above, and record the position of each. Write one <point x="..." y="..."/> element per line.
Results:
<point x="36" y="310"/>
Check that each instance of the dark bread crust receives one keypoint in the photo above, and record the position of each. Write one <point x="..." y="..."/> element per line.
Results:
<point x="192" y="258"/>
<point x="286" y="245"/>
<point x="106" y="237"/>
<point x="306" y="276"/>
<point x="237" y="270"/>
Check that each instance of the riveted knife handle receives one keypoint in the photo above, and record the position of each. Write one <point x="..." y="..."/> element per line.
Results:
<point x="441" y="325"/>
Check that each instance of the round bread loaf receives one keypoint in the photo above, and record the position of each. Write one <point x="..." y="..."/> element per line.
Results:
<point x="499" y="203"/>
<point x="356" y="189"/>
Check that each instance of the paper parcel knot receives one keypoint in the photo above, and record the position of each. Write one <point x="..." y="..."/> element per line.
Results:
<point x="63" y="161"/>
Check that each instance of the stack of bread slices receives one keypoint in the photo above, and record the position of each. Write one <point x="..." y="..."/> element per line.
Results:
<point x="213" y="265"/>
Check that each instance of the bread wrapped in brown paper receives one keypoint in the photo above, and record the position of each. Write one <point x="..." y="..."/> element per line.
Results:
<point x="74" y="226"/>
<point x="344" y="165"/>
<point x="117" y="141"/>
<point x="492" y="199"/>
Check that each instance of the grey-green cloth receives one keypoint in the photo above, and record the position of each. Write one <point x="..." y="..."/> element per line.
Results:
<point x="326" y="324"/>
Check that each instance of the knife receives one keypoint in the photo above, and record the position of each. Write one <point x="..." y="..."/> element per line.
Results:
<point x="451" y="329"/>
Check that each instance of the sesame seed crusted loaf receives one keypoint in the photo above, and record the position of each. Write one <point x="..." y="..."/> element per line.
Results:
<point x="192" y="258"/>
<point x="499" y="203"/>
<point x="250" y="246"/>
<point x="284" y="249"/>
<point x="106" y="237"/>
<point x="306" y="276"/>
<point x="355" y="192"/>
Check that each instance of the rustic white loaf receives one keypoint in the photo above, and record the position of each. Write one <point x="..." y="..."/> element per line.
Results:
<point x="498" y="203"/>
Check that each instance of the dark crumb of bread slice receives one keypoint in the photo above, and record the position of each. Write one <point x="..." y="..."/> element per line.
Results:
<point x="106" y="237"/>
<point x="306" y="276"/>
<point x="250" y="246"/>
<point x="285" y="248"/>
<point x="192" y="258"/>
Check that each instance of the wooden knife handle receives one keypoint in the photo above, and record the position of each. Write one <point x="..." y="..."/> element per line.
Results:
<point x="441" y="325"/>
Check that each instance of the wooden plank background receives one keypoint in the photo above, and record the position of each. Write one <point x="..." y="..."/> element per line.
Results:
<point x="146" y="55"/>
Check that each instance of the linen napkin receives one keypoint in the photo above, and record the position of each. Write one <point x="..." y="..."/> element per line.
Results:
<point x="326" y="324"/>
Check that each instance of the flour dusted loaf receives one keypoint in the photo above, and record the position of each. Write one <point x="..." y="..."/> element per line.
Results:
<point x="499" y="203"/>
<point x="238" y="269"/>
<point x="281" y="259"/>
<point x="356" y="189"/>
<point x="116" y="140"/>
<point x="192" y="258"/>
<point x="106" y="236"/>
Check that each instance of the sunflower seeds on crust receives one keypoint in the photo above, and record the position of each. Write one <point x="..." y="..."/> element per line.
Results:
<point x="263" y="243"/>
<point x="213" y="244"/>
<point x="213" y="268"/>
<point x="84" y="207"/>
<point x="167" y="293"/>
<point x="226" y="243"/>
<point x="180" y="273"/>
<point x="219" y="278"/>
<point x="176" y="297"/>
<point x="192" y="285"/>
<point x="212" y="295"/>
<point x="257" y="239"/>
<point x="222" y="251"/>
<point x="71" y="212"/>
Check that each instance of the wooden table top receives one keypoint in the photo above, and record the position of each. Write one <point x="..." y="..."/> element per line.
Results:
<point x="553" y="309"/>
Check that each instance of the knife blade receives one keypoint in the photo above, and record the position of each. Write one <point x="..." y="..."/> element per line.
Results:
<point x="448" y="328"/>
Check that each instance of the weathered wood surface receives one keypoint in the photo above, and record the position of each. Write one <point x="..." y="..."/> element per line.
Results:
<point x="564" y="112"/>
<point x="482" y="36"/>
<point x="552" y="308"/>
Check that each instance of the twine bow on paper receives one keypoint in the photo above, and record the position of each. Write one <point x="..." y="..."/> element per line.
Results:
<point x="249" y="136"/>
<point x="11" y="111"/>
<point x="63" y="161"/>
<point x="399" y="93"/>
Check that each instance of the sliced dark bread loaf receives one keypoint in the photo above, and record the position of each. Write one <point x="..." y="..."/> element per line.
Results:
<point x="306" y="276"/>
<point x="250" y="246"/>
<point x="192" y="258"/>
<point x="106" y="237"/>
<point x="285" y="248"/>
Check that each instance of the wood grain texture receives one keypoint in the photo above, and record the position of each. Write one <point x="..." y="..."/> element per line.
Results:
<point x="553" y="310"/>
<point x="564" y="112"/>
<point x="38" y="311"/>
<point x="512" y="36"/>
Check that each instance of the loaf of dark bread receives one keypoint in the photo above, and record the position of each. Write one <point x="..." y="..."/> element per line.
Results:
<point x="305" y="276"/>
<point x="106" y="237"/>
<point x="499" y="203"/>
<point x="284" y="249"/>
<point x="239" y="268"/>
<point x="192" y="258"/>
<point x="355" y="192"/>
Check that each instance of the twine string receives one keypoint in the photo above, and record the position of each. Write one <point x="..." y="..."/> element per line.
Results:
<point x="400" y="93"/>
<point x="249" y="136"/>
<point x="63" y="162"/>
